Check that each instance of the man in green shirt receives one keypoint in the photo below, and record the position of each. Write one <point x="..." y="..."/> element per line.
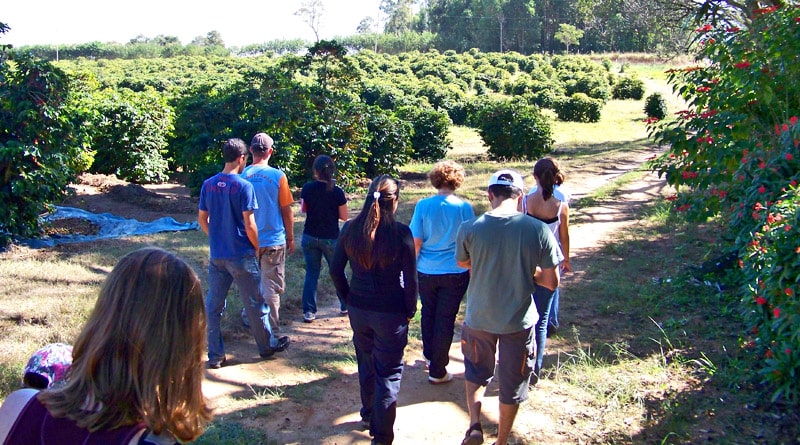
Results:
<point x="508" y="254"/>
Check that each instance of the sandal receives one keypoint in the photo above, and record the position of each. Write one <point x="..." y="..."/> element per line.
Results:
<point x="474" y="435"/>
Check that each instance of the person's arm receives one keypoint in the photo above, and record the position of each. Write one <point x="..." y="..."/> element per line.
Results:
<point x="410" y="284"/>
<point x="546" y="277"/>
<point x="344" y="212"/>
<point x="250" y="228"/>
<point x="336" y="269"/>
<point x="11" y="409"/>
<point x="563" y="235"/>
<point x="417" y="245"/>
<point x="202" y="219"/>
<point x="288" y="226"/>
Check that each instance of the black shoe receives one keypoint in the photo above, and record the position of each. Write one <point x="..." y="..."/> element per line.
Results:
<point x="216" y="365"/>
<point x="283" y="344"/>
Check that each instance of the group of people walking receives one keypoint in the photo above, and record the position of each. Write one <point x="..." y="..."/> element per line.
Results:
<point x="506" y="261"/>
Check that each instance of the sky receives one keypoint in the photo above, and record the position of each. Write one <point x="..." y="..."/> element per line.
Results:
<point x="239" y="22"/>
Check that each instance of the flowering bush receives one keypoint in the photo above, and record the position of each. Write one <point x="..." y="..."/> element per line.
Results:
<point x="734" y="154"/>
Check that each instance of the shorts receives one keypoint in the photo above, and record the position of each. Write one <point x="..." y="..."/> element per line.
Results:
<point x="514" y="362"/>
<point x="272" y="261"/>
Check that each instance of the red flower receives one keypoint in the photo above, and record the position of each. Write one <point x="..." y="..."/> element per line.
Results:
<point x="776" y="312"/>
<point x="793" y="183"/>
<point x="762" y="189"/>
<point x="787" y="227"/>
<point x="732" y="29"/>
<point x="744" y="64"/>
<point x="788" y="291"/>
<point x="762" y="165"/>
<point x="788" y="351"/>
<point x="785" y="127"/>
<point x="704" y="28"/>
<point x="768" y="354"/>
<point x="703" y="89"/>
<point x="671" y="198"/>
<point x="789" y="156"/>
<point x="761" y="301"/>
<point x="722" y="194"/>
<point x="793" y="120"/>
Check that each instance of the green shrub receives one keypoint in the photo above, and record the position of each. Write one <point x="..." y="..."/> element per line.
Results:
<point x="607" y="64"/>
<point x="37" y="142"/>
<point x="430" y="140"/>
<point x="628" y="88"/>
<point x="655" y="106"/>
<point x="130" y="131"/>
<point x="512" y="129"/>
<point x="578" y="108"/>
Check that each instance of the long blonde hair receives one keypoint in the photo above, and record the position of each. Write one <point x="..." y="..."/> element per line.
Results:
<point x="376" y="221"/>
<point x="139" y="357"/>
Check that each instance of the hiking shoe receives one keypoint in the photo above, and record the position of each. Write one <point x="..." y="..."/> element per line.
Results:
<point x="283" y="344"/>
<point x="439" y="380"/>
<point x="216" y="365"/>
<point x="308" y="317"/>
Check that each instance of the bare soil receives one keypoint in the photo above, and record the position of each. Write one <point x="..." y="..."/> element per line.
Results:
<point x="309" y="394"/>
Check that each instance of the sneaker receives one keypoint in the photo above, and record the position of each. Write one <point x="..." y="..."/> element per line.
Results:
<point x="438" y="381"/>
<point x="283" y="344"/>
<point x="216" y="365"/>
<point x="343" y="312"/>
<point x="427" y="362"/>
<point x="308" y="317"/>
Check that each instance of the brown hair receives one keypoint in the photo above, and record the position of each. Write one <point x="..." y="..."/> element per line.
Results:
<point x="139" y="357"/>
<point x="548" y="176"/>
<point x="324" y="170"/>
<point x="447" y="174"/>
<point x="373" y="237"/>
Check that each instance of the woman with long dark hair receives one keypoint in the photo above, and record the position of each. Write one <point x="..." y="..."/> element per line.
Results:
<point x="324" y="204"/>
<point x="381" y="299"/>
<point x="549" y="205"/>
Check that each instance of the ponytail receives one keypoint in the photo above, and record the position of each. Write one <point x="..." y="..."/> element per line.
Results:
<point x="372" y="236"/>
<point x="548" y="175"/>
<point x="325" y="170"/>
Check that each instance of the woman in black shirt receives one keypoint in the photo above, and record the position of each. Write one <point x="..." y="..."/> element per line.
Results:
<point x="381" y="297"/>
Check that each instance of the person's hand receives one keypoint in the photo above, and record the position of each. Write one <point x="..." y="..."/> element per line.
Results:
<point x="566" y="266"/>
<point x="290" y="245"/>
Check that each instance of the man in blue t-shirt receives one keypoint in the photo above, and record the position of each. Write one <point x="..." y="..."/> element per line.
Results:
<point x="225" y="213"/>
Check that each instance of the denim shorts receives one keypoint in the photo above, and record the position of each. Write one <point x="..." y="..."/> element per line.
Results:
<point x="514" y="362"/>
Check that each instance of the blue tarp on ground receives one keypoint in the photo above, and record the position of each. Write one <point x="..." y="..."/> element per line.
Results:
<point x="111" y="226"/>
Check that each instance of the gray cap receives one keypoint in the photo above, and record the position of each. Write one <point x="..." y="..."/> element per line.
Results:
<point x="261" y="142"/>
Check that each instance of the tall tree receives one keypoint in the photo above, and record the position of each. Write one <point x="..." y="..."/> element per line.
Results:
<point x="311" y="12"/>
<point x="568" y="35"/>
<point x="398" y="14"/>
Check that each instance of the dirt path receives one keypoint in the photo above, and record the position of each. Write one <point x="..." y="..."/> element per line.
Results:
<point x="309" y="394"/>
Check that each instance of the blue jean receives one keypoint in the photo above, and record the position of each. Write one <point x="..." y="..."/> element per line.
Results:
<point x="313" y="251"/>
<point x="245" y="274"/>
<point x="441" y="297"/>
<point x="379" y="339"/>
<point x="543" y="298"/>
<point x="552" y="320"/>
